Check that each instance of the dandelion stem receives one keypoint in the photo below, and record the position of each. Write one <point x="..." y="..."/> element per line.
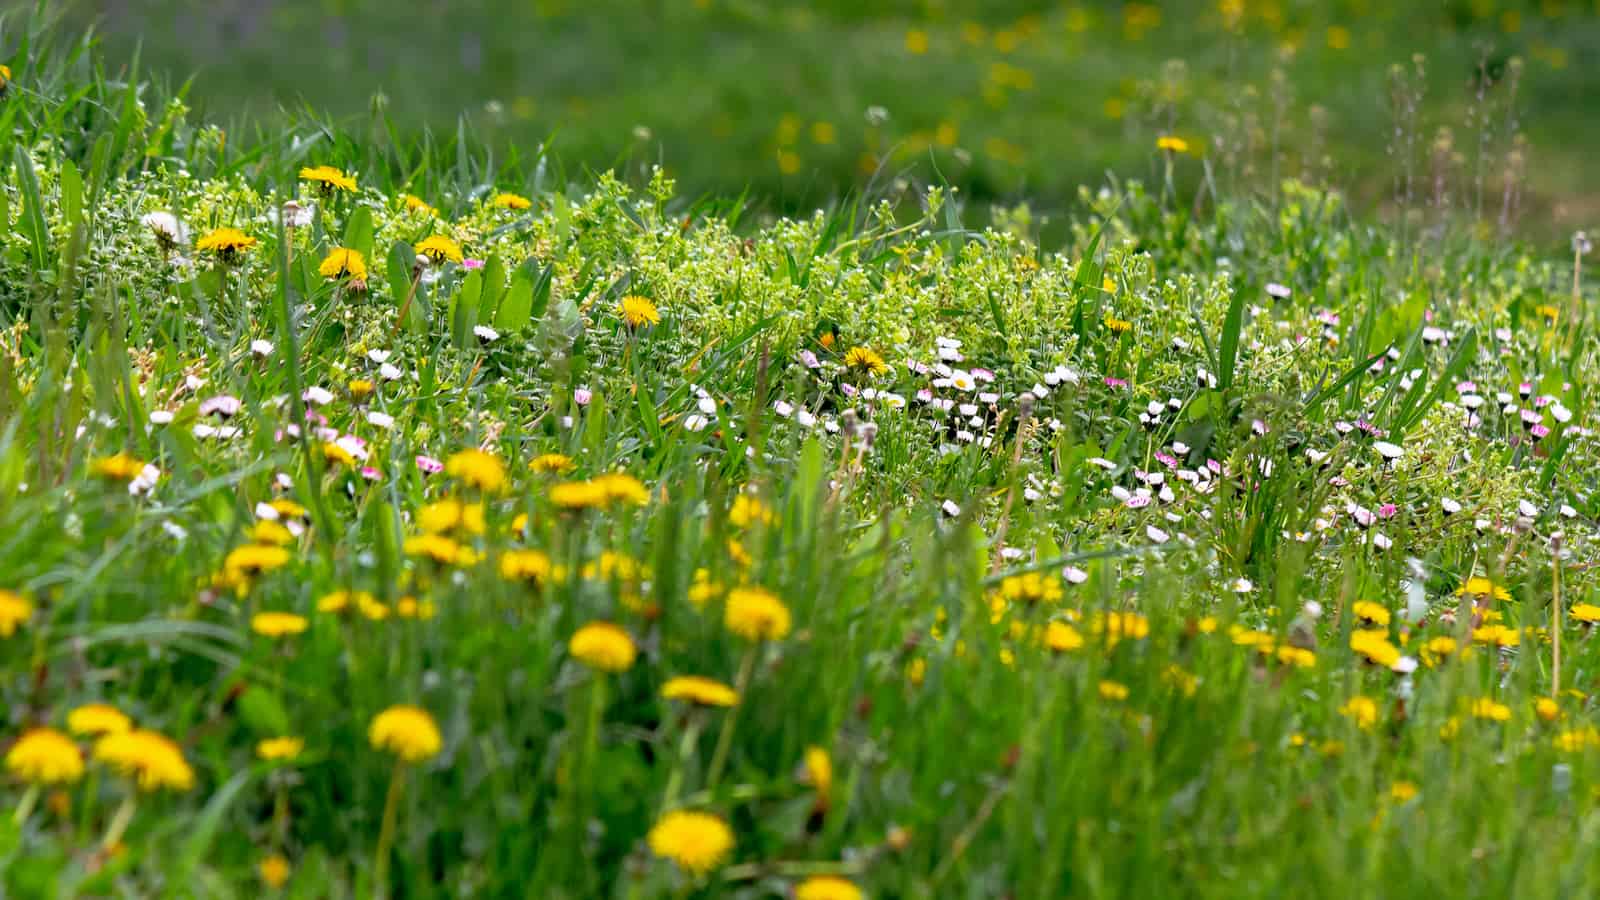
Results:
<point x="391" y="810"/>
<point x="26" y="804"/>
<point x="719" y="757"/>
<point x="591" y="731"/>
<point x="120" y="820"/>
<point x="1555" y="638"/>
<point x="405" y="307"/>
<point x="691" y="733"/>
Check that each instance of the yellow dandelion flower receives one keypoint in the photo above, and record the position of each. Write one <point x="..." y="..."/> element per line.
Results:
<point x="440" y="249"/>
<point x="603" y="646"/>
<point x="15" y="610"/>
<point x="748" y="510"/>
<point x="339" y="601"/>
<point x="1375" y="646"/>
<point x="343" y="263"/>
<point x="440" y="549"/>
<point x="289" y="509"/>
<point x="370" y="607"/>
<point x="337" y="454"/>
<point x="1482" y="588"/>
<point x="406" y="731"/>
<point x="1299" y="657"/>
<point x="229" y="244"/>
<point x="277" y="624"/>
<point x="1062" y="638"/>
<point x="1585" y="612"/>
<point x="525" y="565"/>
<point x="269" y="533"/>
<point x="1361" y="710"/>
<point x="620" y="487"/>
<point x="865" y="360"/>
<point x="510" y="201"/>
<point x="1172" y="144"/>
<point x="1115" y="627"/>
<point x="1488" y="708"/>
<point x="413" y="203"/>
<point x="1118" y="326"/>
<point x="698" y="842"/>
<point x="327" y="179"/>
<point x="45" y="756"/>
<point x="1499" y="635"/>
<point x="119" y="467"/>
<point x="819" y="774"/>
<point x="755" y="614"/>
<point x="1030" y="587"/>
<point x="1547" y="312"/>
<point x="827" y="887"/>
<point x="443" y="516"/>
<point x="152" y="760"/>
<point x="1578" y="739"/>
<point x="639" y="311"/>
<point x="412" y="608"/>
<point x="1438" y="649"/>
<point x="280" y="748"/>
<point x="1114" y="691"/>
<point x="1402" y="791"/>
<point x="1546" y="709"/>
<point x="699" y="690"/>
<point x="477" y="468"/>
<point x="254" y="559"/>
<point x="552" y="464"/>
<point x="274" y="870"/>
<point x="1368" y="611"/>
<point x="93" y="719"/>
<point x="575" y="495"/>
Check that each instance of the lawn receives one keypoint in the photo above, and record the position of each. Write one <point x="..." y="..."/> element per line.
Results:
<point x="388" y="514"/>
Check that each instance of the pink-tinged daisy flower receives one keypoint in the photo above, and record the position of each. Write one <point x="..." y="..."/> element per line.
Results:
<point x="371" y="473"/>
<point x="429" y="465"/>
<point x="470" y="264"/>
<point x="582" y="396"/>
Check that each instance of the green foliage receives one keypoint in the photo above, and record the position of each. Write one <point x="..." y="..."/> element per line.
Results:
<point x="1141" y="557"/>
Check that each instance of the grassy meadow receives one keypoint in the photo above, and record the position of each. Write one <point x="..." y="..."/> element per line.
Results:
<point x="1013" y="101"/>
<point x="391" y="511"/>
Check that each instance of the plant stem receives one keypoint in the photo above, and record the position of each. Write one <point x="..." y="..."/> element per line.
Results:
<point x="120" y="820"/>
<point x="719" y="757"/>
<point x="26" y="804"/>
<point x="391" y="810"/>
<point x="691" y="733"/>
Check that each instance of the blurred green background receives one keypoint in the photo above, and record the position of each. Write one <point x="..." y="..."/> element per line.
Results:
<point x="800" y="102"/>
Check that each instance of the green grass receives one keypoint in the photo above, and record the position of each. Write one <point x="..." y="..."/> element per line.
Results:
<point x="1034" y="669"/>
<point x="1011" y="101"/>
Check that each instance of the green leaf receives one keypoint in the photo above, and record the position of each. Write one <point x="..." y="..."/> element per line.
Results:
<point x="494" y="289"/>
<point x="263" y="712"/>
<point x="358" y="231"/>
<point x="1228" y="344"/>
<point x="71" y="196"/>
<point x="33" y="226"/>
<point x="464" y="309"/>
<point x="517" y="308"/>
<point x="203" y="830"/>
